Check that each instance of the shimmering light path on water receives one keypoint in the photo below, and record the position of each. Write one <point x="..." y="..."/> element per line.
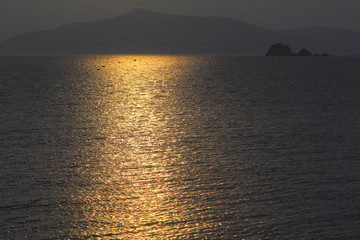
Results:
<point x="179" y="147"/>
<point x="140" y="181"/>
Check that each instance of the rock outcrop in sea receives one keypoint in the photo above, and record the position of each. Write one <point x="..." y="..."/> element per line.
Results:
<point x="280" y="49"/>
<point x="304" y="52"/>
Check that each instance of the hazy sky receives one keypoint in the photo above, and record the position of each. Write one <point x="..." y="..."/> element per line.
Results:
<point x="18" y="16"/>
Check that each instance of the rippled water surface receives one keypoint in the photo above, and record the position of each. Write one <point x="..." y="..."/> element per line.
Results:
<point x="179" y="147"/>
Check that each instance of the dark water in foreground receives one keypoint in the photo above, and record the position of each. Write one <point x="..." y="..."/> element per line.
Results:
<point x="171" y="147"/>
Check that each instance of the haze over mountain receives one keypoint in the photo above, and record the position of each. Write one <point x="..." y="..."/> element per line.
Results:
<point x="141" y="31"/>
<point x="326" y="39"/>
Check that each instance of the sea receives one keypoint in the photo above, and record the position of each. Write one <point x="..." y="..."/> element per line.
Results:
<point x="179" y="147"/>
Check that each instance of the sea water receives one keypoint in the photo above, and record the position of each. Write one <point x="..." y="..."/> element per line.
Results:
<point x="179" y="147"/>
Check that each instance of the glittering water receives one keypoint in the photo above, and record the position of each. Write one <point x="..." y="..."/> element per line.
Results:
<point x="185" y="147"/>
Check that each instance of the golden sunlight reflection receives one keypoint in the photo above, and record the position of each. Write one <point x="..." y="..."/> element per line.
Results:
<point x="135" y="170"/>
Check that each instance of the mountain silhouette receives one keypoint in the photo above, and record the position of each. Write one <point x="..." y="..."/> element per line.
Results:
<point x="141" y="31"/>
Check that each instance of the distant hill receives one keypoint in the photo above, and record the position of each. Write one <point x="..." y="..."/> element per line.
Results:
<point x="141" y="31"/>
